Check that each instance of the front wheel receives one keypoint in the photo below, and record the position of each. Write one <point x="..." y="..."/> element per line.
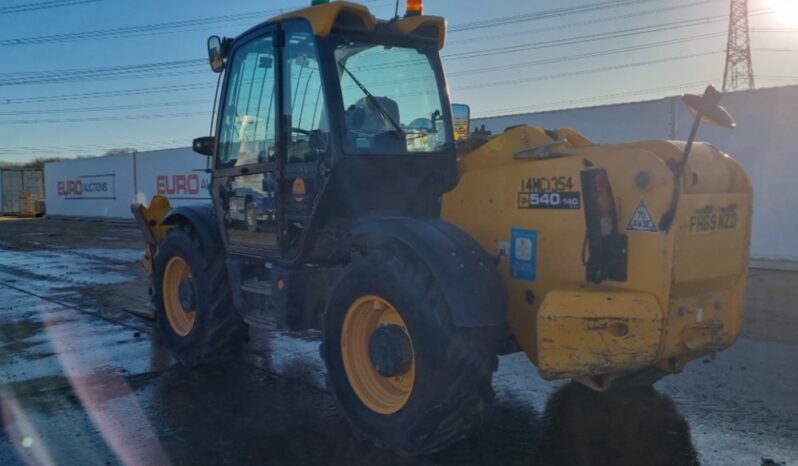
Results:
<point x="193" y="303"/>
<point x="403" y="375"/>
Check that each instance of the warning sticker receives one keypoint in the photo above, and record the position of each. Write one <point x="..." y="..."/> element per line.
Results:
<point x="642" y="220"/>
<point x="524" y="254"/>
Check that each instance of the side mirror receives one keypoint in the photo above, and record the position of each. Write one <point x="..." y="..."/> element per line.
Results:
<point x="709" y="107"/>
<point x="215" y="54"/>
<point x="204" y="145"/>
<point x="461" y="114"/>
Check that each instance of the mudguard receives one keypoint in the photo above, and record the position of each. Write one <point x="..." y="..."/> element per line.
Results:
<point x="466" y="274"/>
<point x="203" y="219"/>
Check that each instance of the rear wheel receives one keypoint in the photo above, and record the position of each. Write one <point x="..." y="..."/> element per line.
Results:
<point x="403" y="375"/>
<point x="193" y="303"/>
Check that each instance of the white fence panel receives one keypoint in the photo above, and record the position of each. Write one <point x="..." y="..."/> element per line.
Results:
<point x="606" y="124"/>
<point x="765" y="143"/>
<point x="178" y="174"/>
<point x="95" y="187"/>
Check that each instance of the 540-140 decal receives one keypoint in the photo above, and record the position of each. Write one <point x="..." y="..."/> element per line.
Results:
<point x="554" y="192"/>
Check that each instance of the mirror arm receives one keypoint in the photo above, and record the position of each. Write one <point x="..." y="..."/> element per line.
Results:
<point x="678" y="171"/>
<point x="710" y="100"/>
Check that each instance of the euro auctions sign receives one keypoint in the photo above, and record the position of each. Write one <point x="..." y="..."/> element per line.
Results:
<point x="182" y="185"/>
<point x="87" y="187"/>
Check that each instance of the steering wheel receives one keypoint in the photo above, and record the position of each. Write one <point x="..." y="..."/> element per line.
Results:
<point x="301" y="131"/>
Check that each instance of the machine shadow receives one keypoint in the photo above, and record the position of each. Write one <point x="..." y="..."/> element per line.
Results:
<point x="241" y="415"/>
<point x="628" y="427"/>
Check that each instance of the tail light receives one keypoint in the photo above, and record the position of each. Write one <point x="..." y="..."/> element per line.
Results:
<point x="607" y="248"/>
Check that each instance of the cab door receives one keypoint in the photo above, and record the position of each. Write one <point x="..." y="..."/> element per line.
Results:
<point x="306" y="132"/>
<point x="247" y="172"/>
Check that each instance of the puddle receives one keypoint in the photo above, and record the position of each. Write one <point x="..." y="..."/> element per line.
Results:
<point x="127" y="255"/>
<point x="80" y="266"/>
<point x="39" y="233"/>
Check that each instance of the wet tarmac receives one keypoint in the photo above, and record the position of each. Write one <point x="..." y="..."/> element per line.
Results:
<point x="84" y="382"/>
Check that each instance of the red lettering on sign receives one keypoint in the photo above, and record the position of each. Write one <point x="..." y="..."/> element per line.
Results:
<point x="193" y="183"/>
<point x="70" y="188"/>
<point x="179" y="184"/>
<point x="161" y="182"/>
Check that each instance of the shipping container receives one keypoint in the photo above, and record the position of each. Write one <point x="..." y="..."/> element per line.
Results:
<point x="21" y="191"/>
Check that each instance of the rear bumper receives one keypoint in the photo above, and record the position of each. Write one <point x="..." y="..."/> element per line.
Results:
<point x="605" y="333"/>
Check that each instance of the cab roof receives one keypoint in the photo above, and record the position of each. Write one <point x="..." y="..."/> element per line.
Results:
<point x="327" y="17"/>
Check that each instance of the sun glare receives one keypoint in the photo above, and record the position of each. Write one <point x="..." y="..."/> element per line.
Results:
<point x="786" y="10"/>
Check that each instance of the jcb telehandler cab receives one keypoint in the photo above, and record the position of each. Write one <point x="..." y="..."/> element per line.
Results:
<point x="332" y="154"/>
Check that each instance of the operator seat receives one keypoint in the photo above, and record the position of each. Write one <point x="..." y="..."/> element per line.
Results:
<point x="363" y="117"/>
<point x="368" y="128"/>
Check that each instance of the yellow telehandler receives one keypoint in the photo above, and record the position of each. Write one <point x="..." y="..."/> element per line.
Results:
<point x="343" y="202"/>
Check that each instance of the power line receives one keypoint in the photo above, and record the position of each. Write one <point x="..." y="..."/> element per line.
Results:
<point x="791" y="79"/>
<point x="46" y="5"/>
<point x="550" y="105"/>
<point x="169" y="27"/>
<point x="96" y="148"/>
<point x="589" y="22"/>
<point x="600" y="53"/>
<point x="105" y="94"/>
<point x="126" y="71"/>
<point x="178" y="103"/>
<point x="589" y="37"/>
<point x="586" y="71"/>
<point x="146" y="29"/>
<point x="146" y="70"/>
<point x="195" y="102"/>
<point x="583" y="56"/>
<point x="546" y="14"/>
<point x="100" y="119"/>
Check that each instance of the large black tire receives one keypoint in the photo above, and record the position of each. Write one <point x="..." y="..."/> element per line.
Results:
<point x="453" y="367"/>
<point x="218" y="332"/>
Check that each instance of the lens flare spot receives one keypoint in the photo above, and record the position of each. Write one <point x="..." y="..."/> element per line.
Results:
<point x="786" y="11"/>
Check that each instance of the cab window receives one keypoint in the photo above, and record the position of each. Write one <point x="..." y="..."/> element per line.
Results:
<point x="304" y="96"/>
<point x="248" y="133"/>
<point x="393" y="99"/>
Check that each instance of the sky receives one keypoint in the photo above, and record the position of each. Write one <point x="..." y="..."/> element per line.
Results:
<point x="149" y="87"/>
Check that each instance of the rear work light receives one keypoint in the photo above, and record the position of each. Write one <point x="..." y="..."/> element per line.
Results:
<point x="607" y="248"/>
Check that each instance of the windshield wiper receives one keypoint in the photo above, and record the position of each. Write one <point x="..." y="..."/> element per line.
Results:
<point x="373" y="100"/>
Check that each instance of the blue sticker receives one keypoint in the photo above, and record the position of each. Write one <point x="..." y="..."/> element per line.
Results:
<point x="524" y="254"/>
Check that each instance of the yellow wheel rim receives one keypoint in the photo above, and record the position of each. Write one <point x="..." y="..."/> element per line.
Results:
<point x="181" y="320"/>
<point x="384" y="395"/>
